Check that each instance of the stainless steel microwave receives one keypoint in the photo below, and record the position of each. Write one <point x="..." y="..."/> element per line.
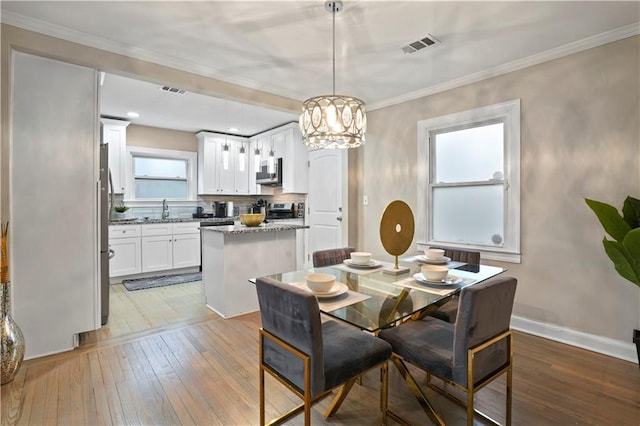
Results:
<point x="263" y="177"/>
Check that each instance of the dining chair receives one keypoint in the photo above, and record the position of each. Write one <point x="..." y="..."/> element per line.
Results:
<point x="309" y="357"/>
<point x="468" y="354"/>
<point x="448" y="311"/>
<point x="331" y="256"/>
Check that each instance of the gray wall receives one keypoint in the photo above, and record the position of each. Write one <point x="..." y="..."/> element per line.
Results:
<point x="579" y="138"/>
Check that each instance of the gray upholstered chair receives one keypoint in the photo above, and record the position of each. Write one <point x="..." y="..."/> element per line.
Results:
<point x="331" y="256"/>
<point x="468" y="354"/>
<point x="309" y="357"/>
<point x="448" y="311"/>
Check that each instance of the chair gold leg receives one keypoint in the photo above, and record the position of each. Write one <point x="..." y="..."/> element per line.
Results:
<point x="417" y="392"/>
<point x="384" y="391"/>
<point x="470" y="410"/>
<point x="261" y="396"/>
<point x="509" y="394"/>
<point x="339" y="398"/>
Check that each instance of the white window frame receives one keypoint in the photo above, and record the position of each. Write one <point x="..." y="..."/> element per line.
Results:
<point x="190" y="157"/>
<point x="507" y="112"/>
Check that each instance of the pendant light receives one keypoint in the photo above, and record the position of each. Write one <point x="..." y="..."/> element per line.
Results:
<point x="333" y="121"/>
<point x="242" y="158"/>
<point x="271" y="162"/>
<point x="225" y="154"/>
<point x="257" y="159"/>
<point x="225" y="147"/>
<point x="257" y="155"/>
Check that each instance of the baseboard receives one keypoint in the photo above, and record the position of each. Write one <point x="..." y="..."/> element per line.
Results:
<point x="604" y="345"/>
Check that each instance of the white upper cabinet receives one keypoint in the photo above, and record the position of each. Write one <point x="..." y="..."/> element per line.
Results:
<point x="114" y="133"/>
<point x="286" y="143"/>
<point x="213" y="177"/>
<point x="295" y="159"/>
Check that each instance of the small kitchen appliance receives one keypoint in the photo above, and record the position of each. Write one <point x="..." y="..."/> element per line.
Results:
<point x="280" y="211"/>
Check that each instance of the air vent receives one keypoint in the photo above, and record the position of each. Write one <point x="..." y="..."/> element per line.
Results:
<point x="427" y="41"/>
<point x="172" y="90"/>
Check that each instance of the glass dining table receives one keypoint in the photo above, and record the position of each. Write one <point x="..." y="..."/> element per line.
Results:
<point x="370" y="299"/>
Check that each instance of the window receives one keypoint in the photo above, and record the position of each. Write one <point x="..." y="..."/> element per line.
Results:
<point x="469" y="181"/>
<point x="159" y="174"/>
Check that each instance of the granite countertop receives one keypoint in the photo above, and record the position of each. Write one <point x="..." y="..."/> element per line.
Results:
<point x="142" y="221"/>
<point x="243" y="229"/>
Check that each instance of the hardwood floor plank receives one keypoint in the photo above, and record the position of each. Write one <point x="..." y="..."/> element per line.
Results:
<point x="164" y="358"/>
<point x="103" y="415"/>
<point x="12" y="405"/>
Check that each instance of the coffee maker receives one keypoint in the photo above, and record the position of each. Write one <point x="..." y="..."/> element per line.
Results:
<point x="219" y="209"/>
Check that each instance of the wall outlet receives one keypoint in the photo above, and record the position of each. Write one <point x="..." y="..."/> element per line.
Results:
<point x="365" y="200"/>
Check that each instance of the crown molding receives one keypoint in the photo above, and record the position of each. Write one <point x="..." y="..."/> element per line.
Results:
<point x="549" y="55"/>
<point x="57" y="31"/>
<point x="102" y="43"/>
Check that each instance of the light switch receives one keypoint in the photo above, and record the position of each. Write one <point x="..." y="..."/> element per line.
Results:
<point x="365" y="200"/>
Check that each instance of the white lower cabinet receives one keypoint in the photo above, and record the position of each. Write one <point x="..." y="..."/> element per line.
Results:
<point x="157" y="253"/>
<point x="170" y="246"/>
<point x="186" y="250"/>
<point x="124" y="240"/>
<point x="153" y="247"/>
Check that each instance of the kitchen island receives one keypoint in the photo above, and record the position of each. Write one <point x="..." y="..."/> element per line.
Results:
<point x="233" y="254"/>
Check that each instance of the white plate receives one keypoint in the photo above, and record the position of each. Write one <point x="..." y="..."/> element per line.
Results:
<point x="423" y="259"/>
<point x="450" y="280"/>
<point x="336" y="290"/>
<point x="371" y="264"/>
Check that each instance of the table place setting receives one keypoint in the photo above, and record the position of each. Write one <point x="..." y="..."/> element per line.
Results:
<point x="434" y="279"/>
<point x="360" y="263"/>
<point x="331" y="294"/>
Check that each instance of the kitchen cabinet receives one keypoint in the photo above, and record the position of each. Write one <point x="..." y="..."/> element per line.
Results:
<point x="286" y="142"/>
<point x="114" y="133"/>
<point x="124" y="240"/>
<point x="213" y="178"/>
<point x="168" y="246"/>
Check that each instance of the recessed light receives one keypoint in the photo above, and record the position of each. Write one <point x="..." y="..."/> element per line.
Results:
<point x="133" y="114"/>
<point x="233" y="129"/>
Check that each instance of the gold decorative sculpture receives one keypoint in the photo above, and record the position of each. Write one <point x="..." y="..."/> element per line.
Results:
<point x="396" y="232"/>
<point x="12" y="338"/>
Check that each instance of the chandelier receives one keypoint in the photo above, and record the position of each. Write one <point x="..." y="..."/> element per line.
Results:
<point x="333" y="121"/>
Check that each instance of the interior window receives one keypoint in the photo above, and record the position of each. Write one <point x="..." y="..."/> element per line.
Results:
<point x="157" y="174"/>
<point x="468" y="183"/>
<point x="160" y="178"/>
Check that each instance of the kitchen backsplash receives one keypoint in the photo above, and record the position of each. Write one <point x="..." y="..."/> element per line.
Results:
<point x="242" y="204"/>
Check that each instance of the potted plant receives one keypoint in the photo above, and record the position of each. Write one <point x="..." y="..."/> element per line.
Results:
<point x="624" y="250"/>
<point x="120" y="210"/>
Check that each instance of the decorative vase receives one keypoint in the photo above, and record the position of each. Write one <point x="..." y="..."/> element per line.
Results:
<point x="12" y="338"/>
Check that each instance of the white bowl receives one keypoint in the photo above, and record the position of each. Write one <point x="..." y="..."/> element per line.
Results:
<point x="320" y="283"/>
<point x="434" y="254"/>
<point x="435" y="272"/>
<point x="360" y="257"/>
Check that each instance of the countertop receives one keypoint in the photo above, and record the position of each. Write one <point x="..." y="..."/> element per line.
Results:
<point x="265" y="227"/>
<point x="142" y="221"/>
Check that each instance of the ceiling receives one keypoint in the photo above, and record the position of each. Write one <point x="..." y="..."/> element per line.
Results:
<point x="285" y="48"/>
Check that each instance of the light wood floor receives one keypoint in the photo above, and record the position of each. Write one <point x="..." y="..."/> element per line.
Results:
<point x="165" y="359"/>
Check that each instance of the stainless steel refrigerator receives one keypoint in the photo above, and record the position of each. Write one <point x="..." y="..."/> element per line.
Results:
<point x="106" y="197"/>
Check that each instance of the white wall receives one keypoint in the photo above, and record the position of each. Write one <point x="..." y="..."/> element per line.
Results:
<point x="580" y="137"/>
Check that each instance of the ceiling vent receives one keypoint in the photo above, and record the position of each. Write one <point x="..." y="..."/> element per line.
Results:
<point x="427" y="41"/>
<point x="172" y="90"/>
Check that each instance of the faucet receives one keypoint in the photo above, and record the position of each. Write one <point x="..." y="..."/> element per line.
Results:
<point x="165" y="209"/>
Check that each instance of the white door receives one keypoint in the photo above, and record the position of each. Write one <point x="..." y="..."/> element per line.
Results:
<point x="325" y="199"/>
